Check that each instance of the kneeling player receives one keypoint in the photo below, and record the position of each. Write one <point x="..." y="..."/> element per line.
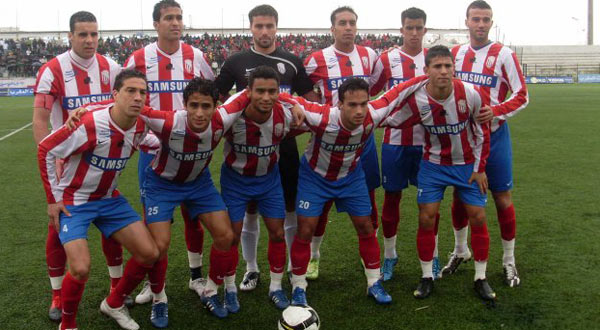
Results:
<point x="96" y="152"/>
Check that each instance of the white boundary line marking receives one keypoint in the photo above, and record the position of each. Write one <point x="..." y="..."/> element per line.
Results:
<point x="15" y="131"/>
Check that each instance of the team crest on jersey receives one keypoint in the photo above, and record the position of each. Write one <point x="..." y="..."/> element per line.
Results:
<point x="365" y="61"/>
<point x="281" y="68"/>
<point x="462" y="106"/>
<point x="490" y="61"/>
<point x="187" y="65"/>
<point x="278" y="130"/>
<point x="217" y="135"/>
<point x="105" y="77"/>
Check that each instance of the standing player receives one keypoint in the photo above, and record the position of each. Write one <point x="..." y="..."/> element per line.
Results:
<point x="328" y="68"/>
<point x="455" y="152"/>
<point x="71" y="79"/>
<point x="402" y="149"/>
<point x="330" y="170"/>
<point x="293" y="79"/>
<point x="96" y="153"/>
<point x="168" y="65"/>
<point x="495" y="69"/>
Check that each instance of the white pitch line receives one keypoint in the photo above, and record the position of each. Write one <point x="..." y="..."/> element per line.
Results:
<point x="15" y="131"/>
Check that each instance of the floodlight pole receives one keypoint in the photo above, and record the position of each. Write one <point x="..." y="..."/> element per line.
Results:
<point x="590" y="27"/>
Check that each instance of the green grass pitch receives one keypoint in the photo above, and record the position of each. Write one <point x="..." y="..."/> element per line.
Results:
<point x="556" y="195"/>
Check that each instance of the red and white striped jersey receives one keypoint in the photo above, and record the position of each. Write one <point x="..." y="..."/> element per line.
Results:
<point x="328" y="68"/>
<point x="168" y="75"/>
<point x="184" y="154"/>
<point x="452" y="136"/>
<point x="496" y="70"/>
<point x="334" y="151"/>
<point x="252" y="149"/>
<point x="392" y="68"/>
<point x="95" y="153"/>
<point x="73" y="85"/>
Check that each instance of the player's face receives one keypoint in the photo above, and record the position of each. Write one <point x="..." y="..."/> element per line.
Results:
<point x="440" y="72"/>
<point x="344" y="29"/>
<point x="413" y="31"/>
<point x="263" y="94"/>
<point x="170" y="25"/>
<point x="479" y="22"/>
<point x="130" y="98"/>
<point x="200" y="110"/>
<point x="263" y="30"/>
<point x="354" y="108"/>
<point x="84" y="39"/>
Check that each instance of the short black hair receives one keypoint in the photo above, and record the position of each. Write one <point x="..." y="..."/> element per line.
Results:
<point x="352" y="85"/>
<point x="339" y="10"/>
<point x="162" y="4"/>
<point x="81" y="16"/>
<point x="126" y="74"/>
<point x="264" y="72"/>
<point x="413" y="13"/>
<point x="263" y="10"/>
<point x="201" y="86"/>
<point x="437" y="51"/>
<point x="478" y="4"/>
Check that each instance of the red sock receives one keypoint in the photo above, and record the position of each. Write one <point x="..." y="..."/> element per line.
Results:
<point x="323" y="219"/>
<point x="194" y="233"/>
<point x="276" y="256"/>
<point x="300" y="255"/>
<point x="133" y="275"/>
<point x="425" y="244"/>
<point x="113" y="251"/>
<point x="508" y="223"/>
<point x="390" y="216"/>
<point x="220" y="264"/>
<point x="368" y="247"/>
<point x="56" y="292"/>
<point x="158" y="274"/>
<point x="72" y="290"/>
<point x="480" y="242"/>
<point x="235" y="259"/>
<point x="374" y="213"/>
<point x="437" y="224"/>
<point x="459" y="213"/>
<point x="56" y="258"/>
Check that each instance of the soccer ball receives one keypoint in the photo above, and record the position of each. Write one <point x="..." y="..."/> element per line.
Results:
<point x="299" y="318"/>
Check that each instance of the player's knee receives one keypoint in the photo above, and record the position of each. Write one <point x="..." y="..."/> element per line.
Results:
<point x="276" y="235"/>
<point x="163" y="246"/>
<point x="502" y="199"/>
<point x="364" y="226"/>
<point x="426" y="220"/>
<point x="477" y="218"/>
<point x="224" y="240"/>
<point x="80" y="270"/>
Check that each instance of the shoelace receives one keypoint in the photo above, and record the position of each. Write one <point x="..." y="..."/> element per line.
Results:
<point x="510" y="271"/>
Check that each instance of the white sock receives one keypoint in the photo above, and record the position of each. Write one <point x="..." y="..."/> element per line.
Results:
<point x="160" y="297"/>
<point x="460" y="240"/>
<point x="389" y="246"/>
<point x="480" y="267"/>
<point x="194" y="259"/>
<point x="435" y="251"/>
<point x="315" y="247"/>
<point x="211" y="288"/>
<point x="275" y="281"/>
<point x="427" y="268"/>
<point x="299" y="281"/>
<point x="372" y="275"/>
<point x="249" y="241"/>
<point x="115" y="271"/>
<point x="56" y="282"/>
<point x="290" y="225"/>
<point x="509" y="252"/>
<point x="230" y="283"/>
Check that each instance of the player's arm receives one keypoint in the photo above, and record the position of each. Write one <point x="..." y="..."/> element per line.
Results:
<point x="481" y="149"/>
<point x="379" y="77"/>
<point x="519" y="98"/>
<point x="302" y="84"/>
<point x="225" y="80"/>
<point x="42" y="106"/>
<point x="383" y="106"/>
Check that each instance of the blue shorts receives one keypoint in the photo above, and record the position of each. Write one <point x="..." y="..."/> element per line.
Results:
<point x="163" y="196"/>
<point x="109" y="215"/>
<point x="370" y="164"/>
<point x="400" y="166"/>
<point x="499" y="163"/>
<point x="144" y="161"/>
<point x="238" y="190"/>
<point x="433" y="180"/>
<point x="350" y="193"/>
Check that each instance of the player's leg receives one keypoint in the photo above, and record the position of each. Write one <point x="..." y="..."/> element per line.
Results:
<point x="370" y="166"/>
<point x="289" y="165"/>
<point x="231" y="299"/>
<point x="144" y="162"/>
<point x="56" y="260"/>
<point x="316" y="241"/>
<point x="460" y="225"/>
<point x="250" y="234"/>
<point x="194" y="240"/>
<point x="301" y="251"/>
<point x="113" y="252"/>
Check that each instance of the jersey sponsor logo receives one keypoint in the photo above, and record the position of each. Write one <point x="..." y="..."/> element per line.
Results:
<point x="167" y="86"/>
<point x="395" y="81"/>
<point x="188" y="66"/>
<point x="105" y="77"/>
<point x="190" y="156"/>
<point x="262" y="151"/>
<point x="74" y="102"/>
<point x="452" y="129"/>
<point x="107" y="164"/>
<point x="281" y="68"/>
<point x="477" y="78"/>
<point x="340" y="147"/>
<point x="335" y="83"/>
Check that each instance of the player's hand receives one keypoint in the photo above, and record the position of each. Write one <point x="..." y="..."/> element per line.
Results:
<point x="485" y="114"/>
<point x="298" y="115"/>
<point x="481" y="180"/>
<point x="74" y="117"/>
<point x="54" y="211"/>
